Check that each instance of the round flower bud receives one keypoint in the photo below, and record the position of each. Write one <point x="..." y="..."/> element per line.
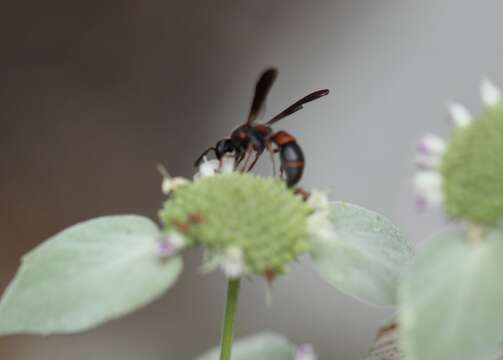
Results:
<point x="472" y="169"/>
<point x="261" y="218"/>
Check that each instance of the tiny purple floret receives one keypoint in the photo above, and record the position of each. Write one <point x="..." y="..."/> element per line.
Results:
<point x="421" y="203"/>
<point x="305" y="352"/>
<point x="422" y="148"/>
<point x="166" y="247"/>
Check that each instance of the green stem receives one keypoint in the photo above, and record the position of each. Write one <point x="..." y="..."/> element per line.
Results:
<point x="230" y="314"/>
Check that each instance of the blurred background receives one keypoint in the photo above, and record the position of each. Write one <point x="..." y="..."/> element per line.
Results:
<point x="94" y="94"/>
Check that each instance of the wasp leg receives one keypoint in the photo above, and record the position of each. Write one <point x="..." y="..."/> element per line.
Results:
<point x="248" y="157"/>
<point x="303" y="193"/>
<point x="252" y="165"/>
<point x="239" y="158"/>
<point x="257" y="155"/>
<point x="271" y="153"/>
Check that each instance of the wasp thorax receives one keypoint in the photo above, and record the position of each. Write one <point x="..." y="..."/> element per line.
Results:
<point x="259" y="218"/>
<point x="472" y="169"/>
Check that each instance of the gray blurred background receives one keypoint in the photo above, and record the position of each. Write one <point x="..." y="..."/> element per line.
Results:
<point x="94" y="94"/>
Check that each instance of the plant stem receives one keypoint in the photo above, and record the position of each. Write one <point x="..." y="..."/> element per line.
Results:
<point x="230" y="314"/>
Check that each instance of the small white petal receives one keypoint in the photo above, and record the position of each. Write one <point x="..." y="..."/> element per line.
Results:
<point x="426" y="180"/>
<point x="305" y="352"/>
<point x="428" y="187"/>
<point x="169" y="184"/>
<point x="207" y="168"/>
<point x="431" y="144"/>
<point x="227" y="165"/>
<point x="459" y="114"/>
<point x="180" y="181"/>
<point x="424" y="161"/>
<point x="490" y="93"/>
<point x="171" y="242"/>
<point x="177" y="239"/>
<point x="320" y="227"/>
<point x="232" y="263"/>
<point x="436" y="198"/>
<point x="318" y="200"/>
<point x="431" y="199"/>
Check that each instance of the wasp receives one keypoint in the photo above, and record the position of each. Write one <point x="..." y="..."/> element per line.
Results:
<point x="252" y="138"/>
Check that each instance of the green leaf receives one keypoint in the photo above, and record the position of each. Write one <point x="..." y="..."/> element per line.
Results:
<point x="264" y="346"/>
<point x="365" y="258"/>
<point x="87" y="274"/>
<point x="451" y="299"/>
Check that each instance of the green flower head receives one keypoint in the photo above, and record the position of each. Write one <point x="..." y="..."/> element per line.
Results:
<point x="247" y="224"/>
<point x="466" y="174"/>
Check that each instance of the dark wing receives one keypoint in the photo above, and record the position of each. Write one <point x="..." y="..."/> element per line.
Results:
<point x="262" y="88"/>
<point x="298" y="105"/>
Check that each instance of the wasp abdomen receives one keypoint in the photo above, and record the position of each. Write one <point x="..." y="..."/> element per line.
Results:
<point x="291" y="156"/>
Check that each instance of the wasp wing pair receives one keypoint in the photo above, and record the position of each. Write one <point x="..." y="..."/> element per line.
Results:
<point x="262" y="89"/>
<point x="251" y="138"/>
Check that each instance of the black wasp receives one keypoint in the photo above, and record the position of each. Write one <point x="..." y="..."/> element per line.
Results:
<point x="252" y="138"/>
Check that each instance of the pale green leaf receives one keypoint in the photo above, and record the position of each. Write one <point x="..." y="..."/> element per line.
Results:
<point x="366" y="256"/>
<point x="87" y="274"/>
<point x="452" y="299"/>
<point x="264" y="346"/>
